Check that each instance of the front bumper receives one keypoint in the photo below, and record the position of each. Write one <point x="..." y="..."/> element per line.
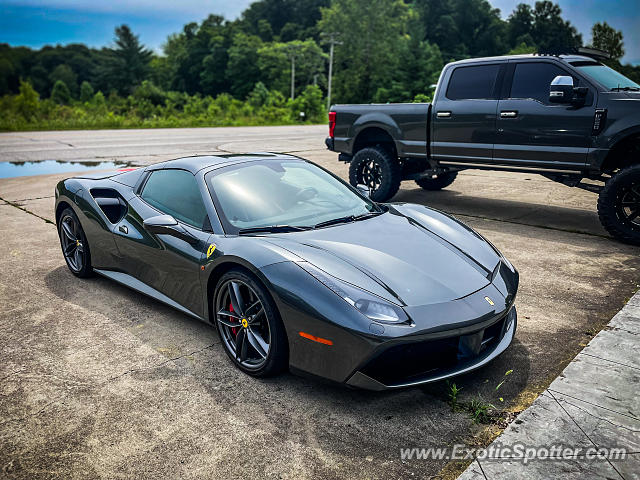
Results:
<point x="432" y="359"/>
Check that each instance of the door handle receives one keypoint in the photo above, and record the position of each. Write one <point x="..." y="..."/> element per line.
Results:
<point x="443" y="114"/>
<point x="123" y="229"/>
<point x="508" y="114"/>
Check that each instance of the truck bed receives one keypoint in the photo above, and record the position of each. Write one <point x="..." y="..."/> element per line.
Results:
<point x="405" y="123"/>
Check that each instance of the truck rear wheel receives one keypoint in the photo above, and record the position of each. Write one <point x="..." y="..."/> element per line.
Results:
<point x="377" y="169"/>
<point x="437" y="183"/>
<point x="619" y="205"/>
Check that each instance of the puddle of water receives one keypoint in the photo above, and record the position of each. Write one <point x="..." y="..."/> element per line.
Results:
<point x="24" y="169"/>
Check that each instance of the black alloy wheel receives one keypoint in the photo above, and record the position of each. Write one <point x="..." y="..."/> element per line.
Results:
<point x="376" y="168"/>
<point x="619" y="205"/>
<point x="73" y="241"/>
<point x="249" y="326"/>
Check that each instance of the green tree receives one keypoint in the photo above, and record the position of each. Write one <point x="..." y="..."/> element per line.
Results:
<point x="27" y="100"/>
<point x="608" y="39"/>
<point x="372" y="32"/>
<point x="520" y="25"/>
<point x="550" y="31"/>
<point x="275" y="65"/>
<point x="66" y="75"/>
<point x="60" y="93"/>
<point x="127" y="65"/>
<point x="282" y="20"/>
<point x="86" y="92"/>
<point x="462" y="28"/>
<point x="242" y="70"/>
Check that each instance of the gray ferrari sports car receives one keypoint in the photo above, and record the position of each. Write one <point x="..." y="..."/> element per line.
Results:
<point x="295" y="267"/>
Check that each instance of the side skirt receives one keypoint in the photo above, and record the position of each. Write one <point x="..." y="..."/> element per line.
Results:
<point x="138" y="286"/>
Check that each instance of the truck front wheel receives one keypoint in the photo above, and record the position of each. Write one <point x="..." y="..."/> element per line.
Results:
<point x="619" y="205"/>
<point x="377" y="169"/>
<point x="437" y="183"/>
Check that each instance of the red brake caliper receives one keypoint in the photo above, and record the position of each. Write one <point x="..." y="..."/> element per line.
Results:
<point x="234" y="330"/>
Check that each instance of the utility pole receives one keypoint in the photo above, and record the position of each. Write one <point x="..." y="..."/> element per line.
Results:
<point x="292" y="52"/>
<point x="293" y="76"/>
<point x="331" y="39"/>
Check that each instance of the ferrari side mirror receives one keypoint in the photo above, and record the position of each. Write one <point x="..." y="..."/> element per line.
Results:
<point x="167" y="225"/>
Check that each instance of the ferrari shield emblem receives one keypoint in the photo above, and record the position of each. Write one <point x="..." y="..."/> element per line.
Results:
<point x="212" y="248"/>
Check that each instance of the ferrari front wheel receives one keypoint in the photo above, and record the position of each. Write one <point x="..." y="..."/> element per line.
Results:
<point x="73" y="241"/>
<point x="249" y="325"/>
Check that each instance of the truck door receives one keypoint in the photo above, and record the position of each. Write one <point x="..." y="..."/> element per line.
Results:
<point x="531" y="130"/>
<point x="464" y="114"/>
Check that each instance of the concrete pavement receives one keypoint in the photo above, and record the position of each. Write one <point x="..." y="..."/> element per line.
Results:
<point x="592" y="405"/>
<point x="99" y="381"/>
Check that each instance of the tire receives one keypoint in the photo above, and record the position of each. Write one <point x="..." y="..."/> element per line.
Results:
<point x="74" y="244"/>
<point x="619" y="205"/>
<point x="245" y="342"/>
<point x="438" y="183"/>
<point x="379" y="170"/>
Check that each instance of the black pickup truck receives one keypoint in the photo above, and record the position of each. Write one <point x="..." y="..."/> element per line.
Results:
<point x="567" y="117"/>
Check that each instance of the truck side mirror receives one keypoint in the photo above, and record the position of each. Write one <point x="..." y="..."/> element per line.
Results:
<point x="561" y="89"/>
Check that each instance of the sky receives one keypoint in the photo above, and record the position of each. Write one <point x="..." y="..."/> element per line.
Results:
<point x="35" y="23"/>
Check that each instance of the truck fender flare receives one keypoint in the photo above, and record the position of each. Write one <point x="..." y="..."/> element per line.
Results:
<point x="376" y="120"/>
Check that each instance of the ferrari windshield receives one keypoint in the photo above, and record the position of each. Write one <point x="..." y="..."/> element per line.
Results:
<point x="606" y="76"/>
<point x="278" y="193"/>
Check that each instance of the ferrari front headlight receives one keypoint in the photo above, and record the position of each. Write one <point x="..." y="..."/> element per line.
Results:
<point x="368" y="304"/>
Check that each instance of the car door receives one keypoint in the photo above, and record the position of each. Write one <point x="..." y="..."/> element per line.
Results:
<point x="164" y="262"/>
<point x="531" y="131"/>
<point x="464" y="117"/>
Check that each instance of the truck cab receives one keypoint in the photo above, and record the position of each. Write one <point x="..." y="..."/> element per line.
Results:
<point x="568" y="117"/>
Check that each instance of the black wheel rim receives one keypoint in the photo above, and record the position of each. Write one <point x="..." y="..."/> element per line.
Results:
<point x="370" y="174"/>
<point x="243" y="324"/>
<point x="72" y="246"/>
<point x="629" y="206"/>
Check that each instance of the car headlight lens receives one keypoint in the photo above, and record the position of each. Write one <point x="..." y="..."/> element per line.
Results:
<point x="368" y="304"/>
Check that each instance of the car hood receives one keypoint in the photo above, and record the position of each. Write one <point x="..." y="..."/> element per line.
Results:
<point x="411" y="254"/>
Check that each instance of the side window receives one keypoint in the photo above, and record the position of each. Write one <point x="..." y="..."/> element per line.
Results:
<point x="475" y="82"/>
<point x="176" y="193"/>
<point x="532" y="80"/>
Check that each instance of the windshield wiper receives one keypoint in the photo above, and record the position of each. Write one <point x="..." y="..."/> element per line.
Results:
<point x="335" y="221"/>
<point x="364" y="216"/>
<point x="347" y="219"/>
<point x="272" y="229"/>
<point x="625" y="89"/>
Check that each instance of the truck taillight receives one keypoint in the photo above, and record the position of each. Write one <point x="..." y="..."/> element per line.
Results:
<point x="332" y="123"/>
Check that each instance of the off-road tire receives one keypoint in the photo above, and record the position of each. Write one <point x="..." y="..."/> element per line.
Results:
<point x="379" y="170"/>
<point x="619" y="201"/>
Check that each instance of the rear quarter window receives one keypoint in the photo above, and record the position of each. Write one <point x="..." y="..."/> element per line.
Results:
<point x="473" y="82"/>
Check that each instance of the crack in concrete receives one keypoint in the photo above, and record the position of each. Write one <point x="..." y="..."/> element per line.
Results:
<point x="607" y="360"/>
<point x="584" y="433"/>
<point x="34" y="198"/>
<point x="13" y="204"/>
<point x="108" y="380"/>
<point x="599" y="417"/>
<point x="545" y="227"/>
<point x="591" y="403"/>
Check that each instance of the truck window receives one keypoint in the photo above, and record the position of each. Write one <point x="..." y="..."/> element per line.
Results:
<point x="475" y="82"/>
<point x="532" y="80"/>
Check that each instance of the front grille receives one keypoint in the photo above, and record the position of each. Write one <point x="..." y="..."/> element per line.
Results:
<point x="406" y="362"/>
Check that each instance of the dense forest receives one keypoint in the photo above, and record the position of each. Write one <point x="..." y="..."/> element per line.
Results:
<point x="221" y="72"/>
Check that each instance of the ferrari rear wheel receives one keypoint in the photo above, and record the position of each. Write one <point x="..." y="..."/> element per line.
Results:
<point x="249" y="325"/>
<point x="75" y="247"/>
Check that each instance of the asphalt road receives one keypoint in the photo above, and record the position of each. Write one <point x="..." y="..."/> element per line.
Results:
<point x="98" y="381"/>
